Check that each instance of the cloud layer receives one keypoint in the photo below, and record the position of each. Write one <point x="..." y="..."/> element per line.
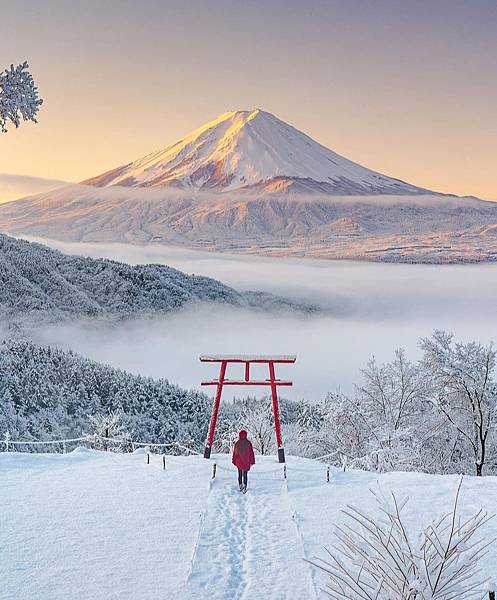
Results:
<point x="371" y="309"/>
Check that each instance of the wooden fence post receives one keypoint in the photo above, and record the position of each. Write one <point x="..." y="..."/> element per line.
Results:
<point x="214" y="468"/>
<point x="148" y="458"/>
<point x="164" y="462"/>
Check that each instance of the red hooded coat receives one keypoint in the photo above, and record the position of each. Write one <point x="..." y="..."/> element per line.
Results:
<point x="243" y="453"/>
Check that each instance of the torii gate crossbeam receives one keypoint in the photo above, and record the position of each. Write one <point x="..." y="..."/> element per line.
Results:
<point x="272" y="382"/>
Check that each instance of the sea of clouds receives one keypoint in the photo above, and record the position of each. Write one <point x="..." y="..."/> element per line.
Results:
<point x="369" y="309"/>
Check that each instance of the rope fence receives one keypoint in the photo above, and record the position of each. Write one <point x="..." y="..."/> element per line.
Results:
<point x="96" y="440"/>
<point x="282" y="472"/>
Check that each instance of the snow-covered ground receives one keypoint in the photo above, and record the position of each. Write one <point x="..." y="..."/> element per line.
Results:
<point x="101" y="525"/>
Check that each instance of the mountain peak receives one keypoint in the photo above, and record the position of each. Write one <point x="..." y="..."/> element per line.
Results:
<point x="251" y="150"/>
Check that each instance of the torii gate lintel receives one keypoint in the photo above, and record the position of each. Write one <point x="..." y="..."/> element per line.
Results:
<point x="272" y="382"/>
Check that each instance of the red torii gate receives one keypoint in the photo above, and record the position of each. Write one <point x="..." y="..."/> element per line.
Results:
<point x="247" y="360"/>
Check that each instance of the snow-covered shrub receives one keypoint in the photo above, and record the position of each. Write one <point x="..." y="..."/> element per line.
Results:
<point x="376" y="557"/>
<point x="18" y="96"/>
<point x="107" y="427"/>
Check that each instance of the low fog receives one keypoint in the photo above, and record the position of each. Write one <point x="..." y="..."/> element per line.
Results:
<point x="368" y="309"/>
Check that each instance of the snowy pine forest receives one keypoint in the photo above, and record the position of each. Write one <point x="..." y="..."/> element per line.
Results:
<point x="47" y="393"/>
<point x="39" y="284"/>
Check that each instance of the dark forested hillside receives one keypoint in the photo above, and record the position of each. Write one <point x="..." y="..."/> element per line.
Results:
<point x="36" y="281"/>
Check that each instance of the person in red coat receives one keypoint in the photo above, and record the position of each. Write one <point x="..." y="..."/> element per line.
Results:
<point x="243" y="458"/>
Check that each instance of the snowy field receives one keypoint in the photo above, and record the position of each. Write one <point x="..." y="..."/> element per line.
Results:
<point x="101" y="525"/>
<point x="371" y="309"/>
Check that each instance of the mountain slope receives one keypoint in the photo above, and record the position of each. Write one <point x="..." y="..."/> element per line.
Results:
<point x="36" y="281"/>
<point x="19" y="186"/>
<point x="247" y="149"/>
<point x="415" y="228"/>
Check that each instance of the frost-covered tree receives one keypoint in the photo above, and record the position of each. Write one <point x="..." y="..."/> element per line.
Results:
<point x="19" y="98"/>
<point x="257" y="418"/>
<point x="438" y="415"/>
<point x="376" y="557"/>
<point x="462" y="388"/>
<point x="392" y="408"/>
<point x="381" y="425"/>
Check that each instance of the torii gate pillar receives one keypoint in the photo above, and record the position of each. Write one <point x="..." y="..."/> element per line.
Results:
<point x="272" y="382"/>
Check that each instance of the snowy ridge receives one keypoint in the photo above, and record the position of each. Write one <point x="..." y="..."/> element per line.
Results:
<point x="103" y="525"/>
<point x="245" y="149"/>
<point x="50" y="286"/>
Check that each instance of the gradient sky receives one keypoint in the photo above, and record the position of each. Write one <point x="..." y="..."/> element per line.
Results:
<point x="405" y="87"/>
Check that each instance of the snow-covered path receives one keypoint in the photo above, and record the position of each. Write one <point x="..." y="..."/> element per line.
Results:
<point x="249" y="543"/>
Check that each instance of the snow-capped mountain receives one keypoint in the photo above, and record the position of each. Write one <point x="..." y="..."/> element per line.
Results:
<point x="252" y="150"/>
<point x="248" y="182"/>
